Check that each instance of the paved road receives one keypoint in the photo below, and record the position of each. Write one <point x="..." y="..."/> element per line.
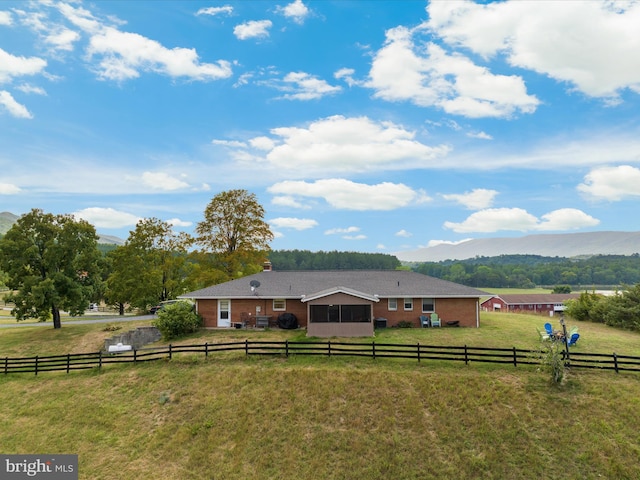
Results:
<point x="81" y="321"/>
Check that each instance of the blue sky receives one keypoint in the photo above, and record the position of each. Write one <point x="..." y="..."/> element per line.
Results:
<point x="378" y="126"/>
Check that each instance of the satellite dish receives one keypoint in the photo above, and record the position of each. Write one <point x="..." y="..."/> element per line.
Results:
<point x="254" y="284"/>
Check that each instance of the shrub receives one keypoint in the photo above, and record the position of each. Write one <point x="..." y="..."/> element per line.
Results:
<point x="404" y="324"/>
<point x="177" y="320"/>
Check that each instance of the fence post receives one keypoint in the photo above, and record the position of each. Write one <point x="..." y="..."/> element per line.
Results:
<point x="6" y="365"/>
<point x="170" y="353"/>
<point x="135" y="356"/>
<point x="515" y="357"/>
<point x="246" y="347"/>
<point x="286" y="348"/>
<point x="329" y="348"/>
<point x="373" y="349"/>
<point x="418" y="347"/>
<point x="206" y="349"/>
<point x="466" y="355"/>
<point x="68" y="361"/>
<point x="36" y="366"/>
<point x="100" y="360"/>
<point x="615" y="362"/>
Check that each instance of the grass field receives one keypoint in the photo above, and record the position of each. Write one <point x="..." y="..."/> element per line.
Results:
<point x="318" y="418"/>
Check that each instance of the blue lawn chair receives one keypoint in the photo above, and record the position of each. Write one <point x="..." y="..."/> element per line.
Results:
<point x="548" y="328"/>
<point x="424" y="321"/>
<point x="573" y="339"/>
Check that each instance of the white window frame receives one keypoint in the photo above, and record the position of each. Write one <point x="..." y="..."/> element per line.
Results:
<point x="408" y="304"/>
<point x="392" y="304"/>
<point x="279" y="304"/>
<point x="433" y="303"/>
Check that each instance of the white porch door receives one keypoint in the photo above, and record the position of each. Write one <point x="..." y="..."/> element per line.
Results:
<point x="224" y="313"/>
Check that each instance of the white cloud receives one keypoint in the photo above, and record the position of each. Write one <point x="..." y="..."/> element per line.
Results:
<point x="480" y="135"/>
<point x="341" y="231"/>
<point x="355" y="237"/>
<point x="213" y="11"/>
<point x="348" y="195"/>
<point x="176" y="222"/>
<point x="338" y="144"/>
<point x="9" y="189"/>
<point x="288" y="201"/>
<point x="229" y="143"/>
<point x="124" y="55"/>
<point x="262" y="143"/>
<point x="433" y="243"/>
<point x="12" y="66"/>
<point x="591" y="44"/>
<point x="30" y="89"/>
<point x="430" y="77"/>
<point x="517" y="219"/>
<point x="5" y="18"/>
<point x="163" y="181"/>
<point x="612" y="183"/>
<point x="12" y="106"/>
<point x="252" y="29"/>
<point x="476" y="199"/>
<point x="296" y="11"/>
<point x="567" y="219"/>
<point x="62" y="39"/>
<point x="302" y="86"/>
<point x="403" y="233"/>
<point x="107" y="217"/>
<point x="293" y="223"/>
<point x="346" y="74"/>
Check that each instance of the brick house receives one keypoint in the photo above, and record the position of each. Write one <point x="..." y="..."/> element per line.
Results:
<point x="543" y="303"/>
<point x="336" y="303"/>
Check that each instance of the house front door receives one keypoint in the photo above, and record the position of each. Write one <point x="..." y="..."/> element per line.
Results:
<point x="224" y="313"/>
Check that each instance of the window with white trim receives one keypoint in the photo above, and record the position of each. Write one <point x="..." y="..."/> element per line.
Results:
<point x="279" y="304"/>
<point x="408" y="304"/>
<point x="393" y="304"/>
<point x="428" y="305"/>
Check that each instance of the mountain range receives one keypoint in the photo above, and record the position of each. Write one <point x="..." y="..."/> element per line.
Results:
<point x="566" y="245"/>
<point x="7" y="219"/>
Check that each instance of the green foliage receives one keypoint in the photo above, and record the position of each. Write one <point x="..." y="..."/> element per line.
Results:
<point x="404" y="324"/>
<point x="177" y="320"/>
<point x="553" y="360"/>
<point x="334" y="260"/>
<point x="150" y="267"/>
<point x="52" y="263"/>
<point x="561" y="289"/>
<point x="234" y="229"/>
<point x="621" y="310"/>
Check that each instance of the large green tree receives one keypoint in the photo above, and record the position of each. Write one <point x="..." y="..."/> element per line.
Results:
<point x="235" y="230"/>
<point x="150" y="267"/>
<point x="52" y="263"/>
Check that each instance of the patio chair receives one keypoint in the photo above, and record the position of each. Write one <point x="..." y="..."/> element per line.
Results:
<point x="435" y="320"/>
<point x="543" y="335"/>
<point x="424" y="321"/>
<point x="573" y="339"/>
<point x="548" y="328"/>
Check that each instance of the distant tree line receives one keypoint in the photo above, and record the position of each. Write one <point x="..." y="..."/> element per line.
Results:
<point x="528" y="271"/>
<point x="333" y="260"/>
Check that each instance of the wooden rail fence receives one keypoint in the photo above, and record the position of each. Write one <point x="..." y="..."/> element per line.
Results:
<point x="466" y="354"/>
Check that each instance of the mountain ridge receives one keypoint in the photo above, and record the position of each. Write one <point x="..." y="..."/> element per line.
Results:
<point x="566" y="245"/>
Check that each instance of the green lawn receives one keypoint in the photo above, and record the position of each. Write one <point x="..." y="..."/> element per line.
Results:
<point x="327" y="418"/>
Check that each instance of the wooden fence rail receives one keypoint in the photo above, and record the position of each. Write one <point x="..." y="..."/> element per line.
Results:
<point x="465" y="353"/>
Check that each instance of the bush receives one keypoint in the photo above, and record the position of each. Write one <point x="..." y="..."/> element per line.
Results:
<point x="404" y="324"/>
<point x="177" y="320"/>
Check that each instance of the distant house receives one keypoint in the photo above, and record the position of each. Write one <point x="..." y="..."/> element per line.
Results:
<point x="337" y="303"/>
<point x="544" y="303"/>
